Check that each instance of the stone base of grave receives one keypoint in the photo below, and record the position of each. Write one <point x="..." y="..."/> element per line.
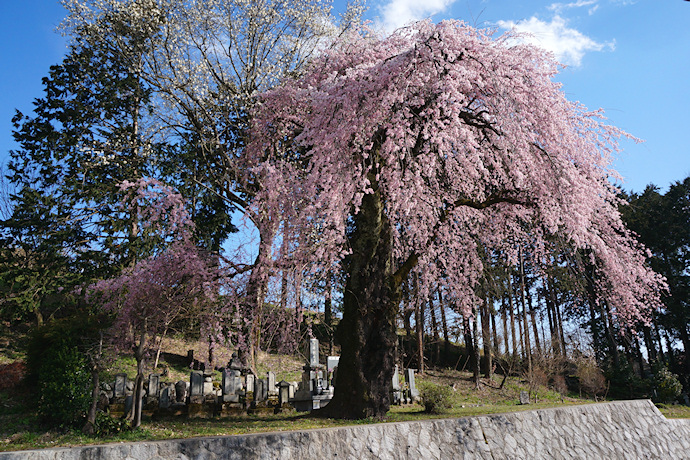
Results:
<point x="195" y="410"/>
<point x="117" y="409"/>
<point x="150" y="407"/>
<point x="261" y="409"/>
<point x="313" y="403"/>
<point x="175" y="410"/>
<point x="284" y="409"/>
<point x="231" y="410"/>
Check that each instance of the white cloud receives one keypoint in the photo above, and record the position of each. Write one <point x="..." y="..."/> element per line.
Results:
<point x="559" y="7"/>
<point x="397" y="13"/>
<point x="568" y="44"/>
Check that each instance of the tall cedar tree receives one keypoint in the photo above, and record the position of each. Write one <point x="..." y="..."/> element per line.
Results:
<point x="417" y="149"/>
<point x="80" y="143"/>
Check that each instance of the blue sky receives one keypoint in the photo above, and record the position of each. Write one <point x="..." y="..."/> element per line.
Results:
<point x="631" y="58"/>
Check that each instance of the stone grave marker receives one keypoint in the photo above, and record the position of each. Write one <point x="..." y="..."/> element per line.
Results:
<point x="264" y="389"/>
<point x="412" y="386"/>
<point x="129" y="404"/>
<point x="396" y="379"/>
<point x="313" y="352"/>
<point x="208" y="385"/>
<point x="120" y="386"/>
<point x="231" y="386"/>
<point x="180" y="392"/>
<point x="167" y="396"/>
<point x="397" y="397"/>
<point x="196" y="387"/>
<point x="331" y="367"/>
<point x="524" y="397"/>
<point x="259" y="390"/>
<point x="283" y="392"/>
<point x="271" y="388"/>
<point x="153" y="387"/>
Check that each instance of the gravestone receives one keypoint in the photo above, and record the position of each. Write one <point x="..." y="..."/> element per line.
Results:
<point x="233" y="400"/>
<point x="153" y="387"/>
<point x="120" y="387"/>
<point x="129" y="404"/>
<point x="231" y="386"/>
<point x="117" y="406"/>
<point x="272" y="390"/>
<point x="167" y="396"/>
<point x="313" y="352"/>
<point x="208" y="385"/>
<point x="331" y="369"/>
<point x="249" y="382"/>
<point x="397" y="397"/>
<point x="259" y="390"/>
<point x="260" y="403"/>
<point x="524" y="397"/>
<point x="181" y="392"/>
<point x="196" y="387"/>
<point x="411" y="385"/>
<point x="284" y="397"/>
<point x="396" y="379"/>
<point x="313" y="392"/>
<point x="264" y="389"/>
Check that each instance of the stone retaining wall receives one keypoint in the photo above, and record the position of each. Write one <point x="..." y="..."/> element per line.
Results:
<point x="614" y="430"/>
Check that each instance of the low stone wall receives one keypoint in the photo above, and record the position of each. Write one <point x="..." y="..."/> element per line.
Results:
<point x="614" y="430"/>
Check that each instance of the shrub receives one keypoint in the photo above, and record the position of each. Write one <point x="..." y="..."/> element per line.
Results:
<point x="57" y="368"/>
<point x="64" y="387"/>
<point x="536" y="378"/>
<point x="560" y="385"/>
<point x="435" y="398"/>
<point x="107" y="425"/>
<point x="668" y="387"/>
<point x="591" y="378"/>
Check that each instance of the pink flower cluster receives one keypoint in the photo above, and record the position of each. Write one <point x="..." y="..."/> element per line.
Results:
<point x="472" y="146"/>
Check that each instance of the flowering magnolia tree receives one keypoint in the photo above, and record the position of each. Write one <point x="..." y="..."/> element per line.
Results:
<point x="420" y="151"/>
<point x="204" y="62"/>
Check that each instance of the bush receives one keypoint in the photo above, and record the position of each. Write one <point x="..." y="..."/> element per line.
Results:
<point x="590" y="377"/>
<point x="560" y="385"/>
<point x="667" y="385"/>
<point x="107" y="425"/>
<point x="64" y="387"/>
<point x="435" y="398"/>
<point x="57" y="369"/>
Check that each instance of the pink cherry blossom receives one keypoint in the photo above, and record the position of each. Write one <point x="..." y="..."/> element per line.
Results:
<point x="470" y="143"/>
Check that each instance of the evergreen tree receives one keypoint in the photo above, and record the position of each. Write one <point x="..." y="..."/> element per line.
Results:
<point x="82" y="141"/>
<point x="662" y="222"/>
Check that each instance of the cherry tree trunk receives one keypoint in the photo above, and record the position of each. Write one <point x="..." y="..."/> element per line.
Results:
<point x="254" y="299"/>
<point x="367" y="331"/>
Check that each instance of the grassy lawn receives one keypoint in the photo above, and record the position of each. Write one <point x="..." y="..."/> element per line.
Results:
<point x="674" y="410"/>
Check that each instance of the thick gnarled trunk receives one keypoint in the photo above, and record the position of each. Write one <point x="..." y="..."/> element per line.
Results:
<point x="367" y="331"/>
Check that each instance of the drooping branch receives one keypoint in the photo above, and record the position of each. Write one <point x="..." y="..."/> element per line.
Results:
<point x="411" y="261"/>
